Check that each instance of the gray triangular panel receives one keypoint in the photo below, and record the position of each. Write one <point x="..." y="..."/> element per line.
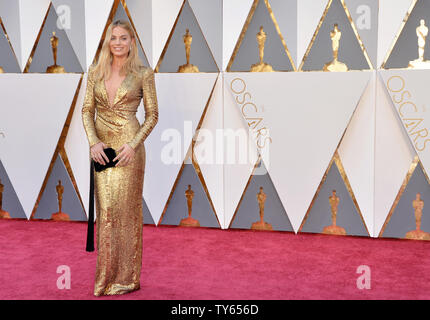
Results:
<point x="347" y="217"/>
<point x="403" y="217"/>
<point x="406" y="46"/>
<point x="10" y="201"/>
<point x="7" y="57"/>
<point x="48" y="204"/>
<point x="274" y="51"/>
<point x="350" y="51"/>
<point x="122" y="15"/>
<point x="43" y="55"/>
<point x="200" y="54"/>
<point x="249" y="212"/>
<point x="147" y="217"/>
<point x="201" y="208"/>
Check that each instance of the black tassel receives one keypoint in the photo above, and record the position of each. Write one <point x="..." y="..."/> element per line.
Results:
<point x="90" y="231"/>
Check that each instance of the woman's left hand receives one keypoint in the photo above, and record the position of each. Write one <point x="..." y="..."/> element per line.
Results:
<point x="125" y="156"/>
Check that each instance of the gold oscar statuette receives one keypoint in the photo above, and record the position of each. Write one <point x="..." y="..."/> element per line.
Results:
<point x="189" y="221"/>
<point x="421" y="63"/>
<point x="60" y="216"/>
<point x="418" y="234"/>
<point x="3" y="214"/>
<point x="334" y="229"/>
<point x="335" y="65"/>
<point x="188" y="67"/>
<point x="261" y="66"/>
<point x="1" y="70"/>
<point x="261" y="225"/>
<point x="55" y="68"/>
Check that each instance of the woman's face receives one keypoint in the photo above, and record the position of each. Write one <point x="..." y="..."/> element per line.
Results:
<point x="120" y="42"/>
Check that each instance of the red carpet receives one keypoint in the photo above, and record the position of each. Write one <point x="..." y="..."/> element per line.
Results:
<point x="189" y="263"/>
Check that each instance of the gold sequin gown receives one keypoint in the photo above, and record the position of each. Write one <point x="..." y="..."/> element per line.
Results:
<point x="118" y="191"/>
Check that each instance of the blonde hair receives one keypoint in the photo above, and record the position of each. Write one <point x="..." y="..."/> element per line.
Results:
<point x="132" y="64"/>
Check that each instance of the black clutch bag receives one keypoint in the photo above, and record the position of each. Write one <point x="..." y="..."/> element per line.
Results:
<point x="111" y="154"/>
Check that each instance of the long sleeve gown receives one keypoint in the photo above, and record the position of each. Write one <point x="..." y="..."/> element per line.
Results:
<point x="118" y="190"/>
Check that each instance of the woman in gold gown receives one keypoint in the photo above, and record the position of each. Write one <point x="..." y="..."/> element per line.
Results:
<point x="115" y="86"/>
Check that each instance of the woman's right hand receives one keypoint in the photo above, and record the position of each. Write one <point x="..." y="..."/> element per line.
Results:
<point x="97" y="153"/>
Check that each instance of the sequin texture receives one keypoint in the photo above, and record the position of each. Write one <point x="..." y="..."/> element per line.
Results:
<point x="118" y="191"/>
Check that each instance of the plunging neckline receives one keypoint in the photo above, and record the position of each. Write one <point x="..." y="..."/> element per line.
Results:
<point x="116" y="92"/>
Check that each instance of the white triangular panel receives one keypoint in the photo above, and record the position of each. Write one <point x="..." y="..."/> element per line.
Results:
<point x="9" y="13"/>
<point x="234" y="17"/>
<point x="391" y="15"/>
<point x="240" y="157"/>
<point x="96" y="15"/>
<point x="411" y="105"/>
<point x="208" y="149"/>
<point x="305" y="124"/>
<point x="32" y="119"/>
<point x="309" y="14"/>
<point x="77" y="149"/>
<point x="32" y="14"/>
<point x="393" y="155"/>
<point x="356" y="152"/>
<point x="181" y="101"/>
<point x="164" y="14"/>
<point x="209" y="17"/>
<point x="141" y="14"/>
